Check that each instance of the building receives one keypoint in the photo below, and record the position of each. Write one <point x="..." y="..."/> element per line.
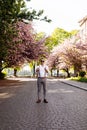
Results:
<point x="83" y="27"/>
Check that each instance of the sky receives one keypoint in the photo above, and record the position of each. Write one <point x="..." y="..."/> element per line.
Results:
<point x="64" y="14"/>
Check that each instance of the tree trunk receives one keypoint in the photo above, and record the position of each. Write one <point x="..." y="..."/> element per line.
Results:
<point x="15" y="72"/>
<point x="34" y="69"/>
<point x="57" y="73"/>
<point x="75" y="72"/>
<point x="68" y="74"/>
<point x="51" y="73"/>
<point x="1" y="67"/>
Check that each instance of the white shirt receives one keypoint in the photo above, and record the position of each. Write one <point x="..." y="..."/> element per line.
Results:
<point x="42" y="72"/>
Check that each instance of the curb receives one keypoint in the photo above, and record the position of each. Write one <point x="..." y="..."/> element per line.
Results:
<point x="85" y="89"/>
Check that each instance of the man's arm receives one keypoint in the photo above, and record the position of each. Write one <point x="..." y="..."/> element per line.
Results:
<point x="46" y="69"/>
<point x="37" y="71"/>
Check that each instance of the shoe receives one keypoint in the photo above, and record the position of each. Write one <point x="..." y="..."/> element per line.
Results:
<point x="45" y="101"/>
<point x="38" y="101"/>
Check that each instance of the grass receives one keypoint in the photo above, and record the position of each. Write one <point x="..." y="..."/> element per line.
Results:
<point x="80" y="79"/>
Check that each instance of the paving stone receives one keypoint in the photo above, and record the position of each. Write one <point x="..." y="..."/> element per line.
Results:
<point x="66" y="108"/>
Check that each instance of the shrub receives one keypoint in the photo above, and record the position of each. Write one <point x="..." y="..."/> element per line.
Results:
<point x="2" y="75"/>
<point x="82" y="73"/>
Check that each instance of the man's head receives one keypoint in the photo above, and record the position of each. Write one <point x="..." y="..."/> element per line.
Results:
<point x="42" y="61"/>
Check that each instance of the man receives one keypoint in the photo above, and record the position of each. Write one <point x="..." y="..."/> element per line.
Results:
<point x="41" y="72"/>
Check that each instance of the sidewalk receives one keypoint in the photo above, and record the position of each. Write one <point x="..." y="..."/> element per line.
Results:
<point x="77" y="84"/>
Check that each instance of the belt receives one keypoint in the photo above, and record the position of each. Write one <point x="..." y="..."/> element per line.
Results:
<point x="42" y="77"/>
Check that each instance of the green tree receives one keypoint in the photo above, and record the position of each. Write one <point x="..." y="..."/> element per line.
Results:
<point x="50" y="43"/>
<point x="60" y="35"/>
<point x="57" y="37"/>
<point x="12" y="11"/>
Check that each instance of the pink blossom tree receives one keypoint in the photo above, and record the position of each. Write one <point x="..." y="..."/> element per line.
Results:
<point x="68" y="56"/>
<point x="24" y="47"/>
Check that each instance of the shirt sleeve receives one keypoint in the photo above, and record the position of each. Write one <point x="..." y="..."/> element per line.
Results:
<point x="47" y="68"/>
<point x="37" y="70"/>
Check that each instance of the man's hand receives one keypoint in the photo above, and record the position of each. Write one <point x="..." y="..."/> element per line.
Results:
<point x="37" y="70"/>
<point x="46" y="70"/>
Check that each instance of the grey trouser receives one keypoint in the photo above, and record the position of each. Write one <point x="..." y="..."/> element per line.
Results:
<point x="41" y="82"/>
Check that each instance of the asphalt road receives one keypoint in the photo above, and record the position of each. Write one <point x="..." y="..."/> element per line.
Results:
<point x="66" y="108"/>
